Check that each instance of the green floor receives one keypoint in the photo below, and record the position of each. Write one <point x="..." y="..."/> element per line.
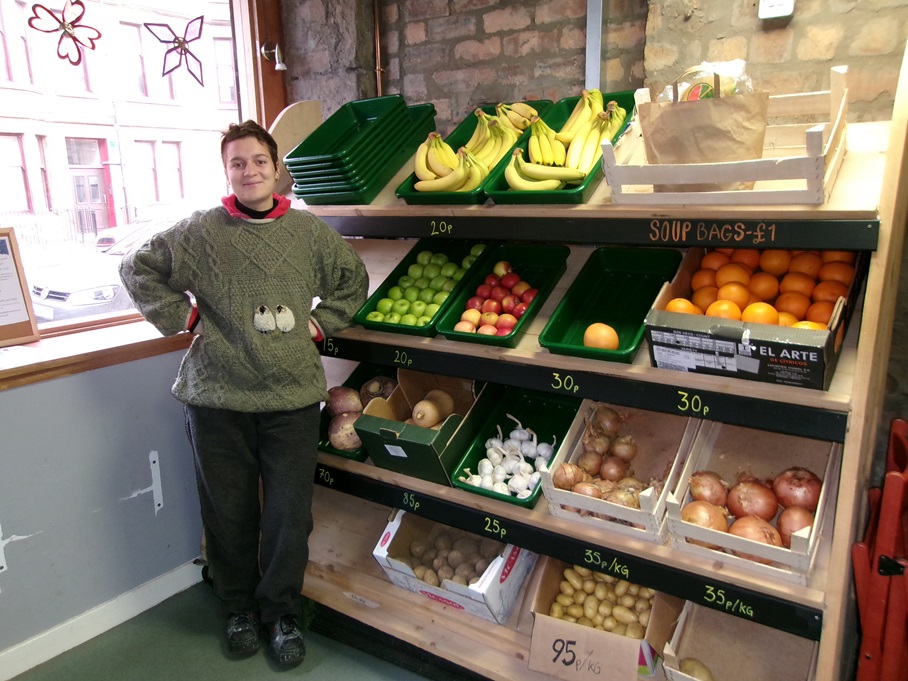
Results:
<point x="180" y="639"/>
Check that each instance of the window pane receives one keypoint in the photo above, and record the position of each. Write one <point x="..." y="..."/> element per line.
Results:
<point x="170" y="171"/>
<point x="12" y="173"/>
<point x="79" y="187"/>
<point x="94" y="189"/>
<point x="82" y="152"/>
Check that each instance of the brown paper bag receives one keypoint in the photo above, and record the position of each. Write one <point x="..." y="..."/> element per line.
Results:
<point x="704" y="131"/>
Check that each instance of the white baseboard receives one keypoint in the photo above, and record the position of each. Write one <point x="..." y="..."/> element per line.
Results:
<point x="84" y="627"/>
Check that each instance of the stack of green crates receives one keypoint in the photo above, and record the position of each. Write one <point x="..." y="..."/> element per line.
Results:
<point x="350" y="157"/>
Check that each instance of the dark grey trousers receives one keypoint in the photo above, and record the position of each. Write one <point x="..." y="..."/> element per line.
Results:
<point x="233" y="450"/>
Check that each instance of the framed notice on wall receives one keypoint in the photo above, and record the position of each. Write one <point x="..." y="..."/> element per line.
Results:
<point x="17" y="319"/>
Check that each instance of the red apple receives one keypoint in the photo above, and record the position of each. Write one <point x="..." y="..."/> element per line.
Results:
<point x="465" y="327"/>
<point x="492" y="279"/>
<point x="491" y="306"/>
<point x="503" y="332"/>
<point x="510" y="279"/>
<point x="487" y="330"/>
<point x="506" y="321"/>
<point x="488" y="318"/>
<point x="471" y="315"/>
<point x="484" y="290"/>
<point x="509" y="302"/>
<point x="529" y="294"/>
<point x="519" y="309"/>
<point x="521" y="286"/>
<point x="501" y="268"/>
<point x="498" y="292"/>
<point x="475" y="303"/>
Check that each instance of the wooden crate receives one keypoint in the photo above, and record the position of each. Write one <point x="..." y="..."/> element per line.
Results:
<point x="799" y="166"/>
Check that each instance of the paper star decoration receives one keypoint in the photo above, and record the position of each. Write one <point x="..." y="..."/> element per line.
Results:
<point x="73" y="37"/>
<point x="180" y="47"/>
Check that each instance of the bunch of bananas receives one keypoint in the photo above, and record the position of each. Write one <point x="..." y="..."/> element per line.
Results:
<point x="516" y="115"/>
<point x="439" y="168"/>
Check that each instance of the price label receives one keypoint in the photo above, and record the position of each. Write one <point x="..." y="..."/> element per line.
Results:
<point x="410" y="501"/>
<point x="731" y="233"/>
<point x="603" y="563"/>
<point x="440" y="228"/>
<point x="329" y="347"/>
<point x="494" y="527"/>
<point x="719" y="599"/>
<point x="565" y="383"/>
<point x="323" y="475"/>
<point x="403" y="358"/>
<point x="691" y="404"/>
<point x="566" y="658"/>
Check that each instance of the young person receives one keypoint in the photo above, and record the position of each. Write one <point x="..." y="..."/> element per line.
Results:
<point x="252" y="380"/>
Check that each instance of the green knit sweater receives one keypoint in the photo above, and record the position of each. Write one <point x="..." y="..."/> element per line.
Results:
<point x="254" y="282"/>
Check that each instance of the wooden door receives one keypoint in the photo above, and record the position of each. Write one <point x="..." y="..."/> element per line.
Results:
<point x="257" y="22"/>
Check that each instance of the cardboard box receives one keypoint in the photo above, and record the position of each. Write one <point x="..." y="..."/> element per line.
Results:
<point x="755" y="352"/>
<point x="663" y="443"/>
<point x="492" y="597"/>
<point x="412" y="450"/>
<point x="736" y="648"/>
<point x="574" y="652"/>
<point x="730" y="450"/>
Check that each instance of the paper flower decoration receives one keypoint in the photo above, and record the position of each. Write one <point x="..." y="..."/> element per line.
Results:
<point x="180" y="47"/>
<point x="73" y="36"/>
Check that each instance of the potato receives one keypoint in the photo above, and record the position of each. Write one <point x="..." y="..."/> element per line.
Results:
<point x="589" y="585"/>
<point x="634" y="630"/>
<point x="489" y="548"/>
<point x="482" y="565"/>
<point x="601" y="591"/>
<point x="609" y="623"/>
<point x="459" y="579"/>
<point x="556" y="610"/>
<point x="627" y="601"/>
<point x="621" y="587"/>
<point x="579" y="596"/>
<point x="420" y="571"/>
<point x="621" y="629"/>
<point x="443" y="541"/>
<point x="455" y="557"/>
<point x="445" y="572"/>
<point x="575" y="610"/>
<point x="566" y="588"/>
<point x="431" y="578"/>
<point x="590" y="606"/>
<point x="642" y="604"/>
<point x="430" y="554"/>
<point x="564" y="599"/>
<point x="466" y="545"/>
<point x="441" y="560"/>
<point x="464" y="570"/>
<point x="624" y="615"/>
<point x="573" y="578"/>
<point x="695" y="668"/>
<point x="585" y="621"/>
<point x="643" y="618"/>
<point x="583" y="571"/>
<point x="418" y="547"/>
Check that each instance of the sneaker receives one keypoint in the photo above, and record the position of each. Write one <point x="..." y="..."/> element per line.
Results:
<point x="242" y="633"/>
<point x="287" y="641"/>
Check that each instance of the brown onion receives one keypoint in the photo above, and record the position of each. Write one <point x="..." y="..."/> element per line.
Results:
<point x="751" y="497"/>
<point x="798" y="487"/>
<point x="567" y="475"/>
<point x="605" y="486"/>
<point x="606" y="420"/>
<point x="708" y="486"/>
<point x="596" y="442"/>
<point x="613" y="468"/>
<point x="756" y="529"/>
<point x="590" y="462"/>
<point x="587" y="489"/>
<point x="624" y="447"/>
<point x="706" y="515"/>
<point x="791" y="520"/>
<point x="630" y="482"/>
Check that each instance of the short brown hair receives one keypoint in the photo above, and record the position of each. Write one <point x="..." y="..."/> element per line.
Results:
<point x="250" y="128"/>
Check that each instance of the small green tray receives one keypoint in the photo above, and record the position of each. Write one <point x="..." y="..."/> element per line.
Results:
<point x="541" y="266"/>
<point x="616" y="286"/>
<point x="458" y="137"/>
<point x="500" y="192"/>
<point x="362" y="373"/>
<point x="549" y="416"/>
<point x="455" y="249"/>
<point x="353" y="128"/>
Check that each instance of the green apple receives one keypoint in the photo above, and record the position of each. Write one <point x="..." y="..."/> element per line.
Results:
<point x="449" y="285"/>
<point x="411" y="293"/>
<point x="458" y="275"/>
<point x="401" y="306"/>
<point x="431" y="270"/>
<point x="415" y="270"/>
<point x="422" y="282"/>
<point x="439" y="259"/>
<point x="432" y="309"/>
<point x="418" y="308"/>
<point x="424" y="257"/>
<point x="448" y="269"/>
<point x="424" y="320"/>
<point x="427" y="295"/>
<point x="477" y="249"/>
<point x="408" y="319"/>
<point x="467" y="261"/>
<point x="392" y="318"/>
<point x="438" y="282"/>
<point x="384" y="305"/>
<point x="440" y="297"/>
<point x="406" y="281"/>
<point x="395" y="293"/>
<point x="375" y="316"/>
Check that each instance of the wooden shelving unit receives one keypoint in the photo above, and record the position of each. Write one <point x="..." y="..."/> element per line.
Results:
<point x="866" y="211"/>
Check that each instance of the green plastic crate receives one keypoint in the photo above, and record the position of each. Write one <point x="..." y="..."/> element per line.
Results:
<point x="362" y="373"/>
<point x="351" y="130"/>
<point x="458" y="137"/>
<point x="497" y="187"/>
<point x="455" y="249"/>
<point x="539" y="265"/>
<point x="549" y="416"/>
<point x="616" y="286"/>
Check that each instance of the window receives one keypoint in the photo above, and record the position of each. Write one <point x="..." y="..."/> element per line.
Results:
<point x="133" y="60"/>
<point x="6" y="72"/>
<point x="45" y="182"/>
<point x="171" y="177"/>
<point x="15" y="64"/>
<point x="12" y="174"/>
<point x="223" y="54"/>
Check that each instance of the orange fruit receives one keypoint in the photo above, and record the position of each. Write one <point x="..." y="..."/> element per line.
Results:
<point x="819" y="312"/>
<point x="703" y="277"/>
<point x="761" y="313"/>
<point x="599" y="335"/>
<point x="829" y="291"/>
<point x="787" y="319"/>
<point x="814" y="326"/>
<point x="746" y="256"/>
<point x="764" y="285"/>
<point x="793" y="302"/>
<point x="726" y="251"/>
<point x="733" y="271"/>
<point x="736" y="292"/>
<point x="797" y="281"/>
<point x="807" y="262"/>
<point x="837" y="256"/>
<point x="704" y="297"/>
<point x="682" y="305"/>
<point x="836" y="271"/>
<point x="725" y="309"/>
<point x="775" y="261"/>
<point x="714" y="260"/>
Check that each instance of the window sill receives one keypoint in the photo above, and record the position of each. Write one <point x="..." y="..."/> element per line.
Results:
<point x="74" y="353"/>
